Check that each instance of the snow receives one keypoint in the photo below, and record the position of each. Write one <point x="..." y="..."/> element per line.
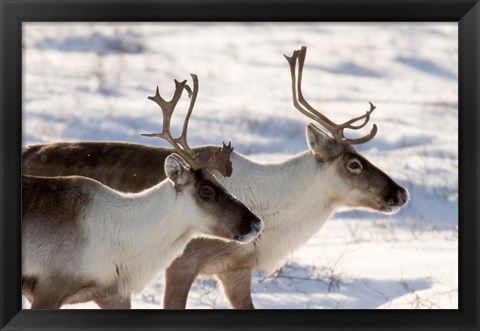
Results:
<point x="91" y="82"/>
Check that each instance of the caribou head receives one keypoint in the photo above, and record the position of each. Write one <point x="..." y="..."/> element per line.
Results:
<point x="190" y="173"/>
<point x="354" y="180"/>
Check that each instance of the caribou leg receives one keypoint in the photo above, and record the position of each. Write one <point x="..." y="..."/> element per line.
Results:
<point x="237" y="287"/>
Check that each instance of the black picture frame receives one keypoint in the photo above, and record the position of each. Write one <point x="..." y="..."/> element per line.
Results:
<point x="14" y="12"/>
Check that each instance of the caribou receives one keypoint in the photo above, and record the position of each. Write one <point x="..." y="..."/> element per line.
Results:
<point x="85" y="241"/>
<point x="294" y="198"/>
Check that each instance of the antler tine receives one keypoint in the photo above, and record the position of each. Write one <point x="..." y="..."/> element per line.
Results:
<point x="292" y="61"/>
<point x="322" y="119"/>
<point x="193" y="97"/>
<point x="349" y="124"/>
<point x="363" y="139"/>
<point x="167" y="107"/>
<point x="335" y="129"/>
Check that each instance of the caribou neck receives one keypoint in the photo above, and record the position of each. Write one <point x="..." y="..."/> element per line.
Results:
<point x="292" y="185"/>
<point x="142" y="217"/>
<point x="138" y="227"/>
<point x="293" y="198"/>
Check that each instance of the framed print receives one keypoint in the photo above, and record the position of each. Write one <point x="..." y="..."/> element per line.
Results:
<point x="349" y="199"/>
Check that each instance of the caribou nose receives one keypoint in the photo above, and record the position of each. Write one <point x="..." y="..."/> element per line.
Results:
<point x="402" y="195"/>
<point x="250" y="229"/>
<point x="256" y="225"/>
<point x="399" y="198"/>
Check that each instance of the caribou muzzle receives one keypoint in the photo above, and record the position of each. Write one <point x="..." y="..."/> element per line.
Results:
<point x="395" y="198"/>
<point x="249" y="227"/>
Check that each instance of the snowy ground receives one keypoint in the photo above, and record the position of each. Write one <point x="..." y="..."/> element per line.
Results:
<point x="91" y="82"/>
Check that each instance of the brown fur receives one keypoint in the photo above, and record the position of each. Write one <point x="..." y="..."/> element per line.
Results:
<point x="47" y="193"/>
<point x="122" y="166"/>
<point x="58" y="289"/>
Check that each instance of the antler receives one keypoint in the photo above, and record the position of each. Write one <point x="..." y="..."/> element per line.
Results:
<point x="219" y="159"/>
<point x="305" y="108"/>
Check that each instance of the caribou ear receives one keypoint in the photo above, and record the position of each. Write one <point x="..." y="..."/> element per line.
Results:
<point x="321" y="144"/>
<point x="177" y="170"/>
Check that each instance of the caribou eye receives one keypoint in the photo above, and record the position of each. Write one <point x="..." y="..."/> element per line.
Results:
<point x="206" y="192"/>
<point x="354" y="165"/>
